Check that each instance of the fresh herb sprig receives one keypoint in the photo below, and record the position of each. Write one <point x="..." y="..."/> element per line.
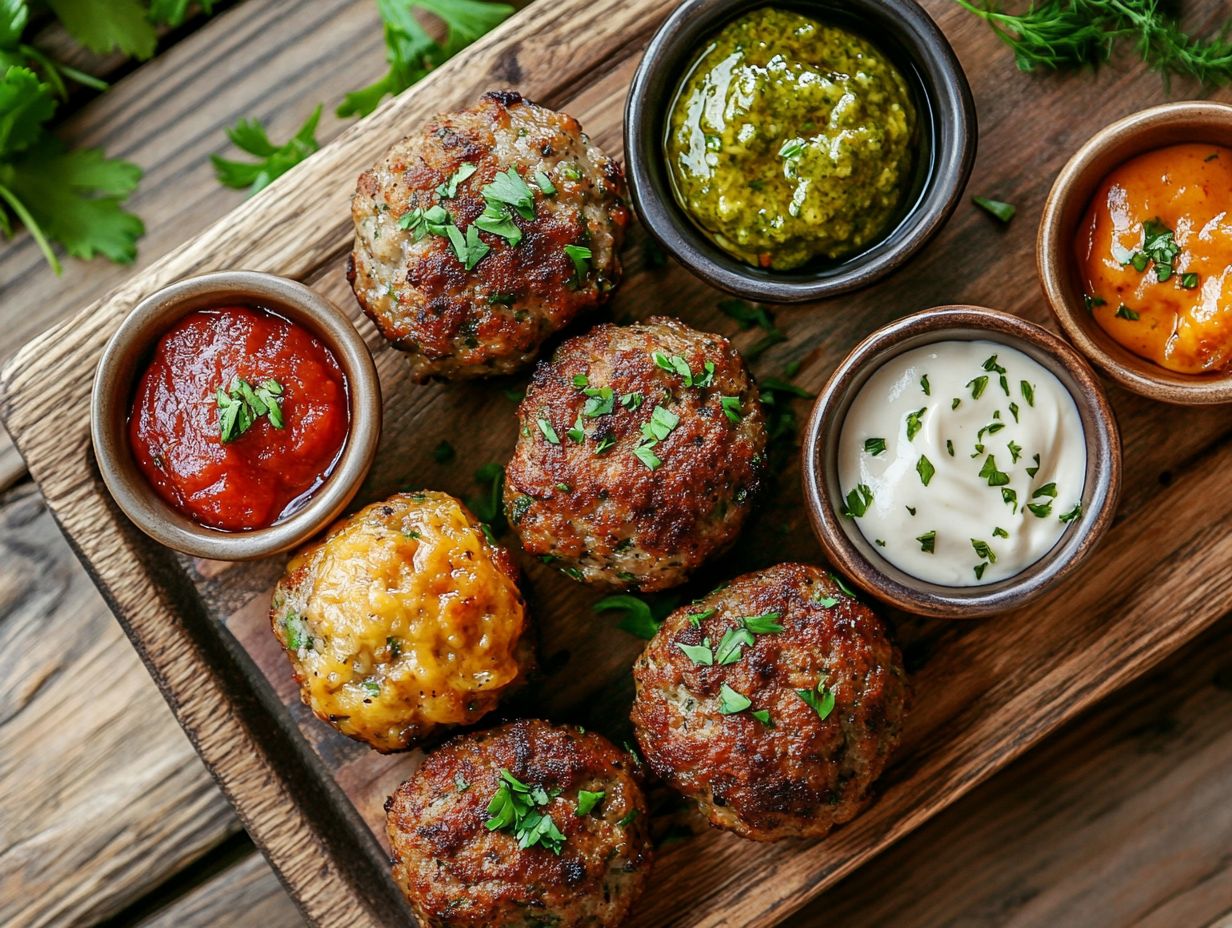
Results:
<point x="1068" y="34"/>
<point x="515" y="808"/>
<point x="248" y="135"/>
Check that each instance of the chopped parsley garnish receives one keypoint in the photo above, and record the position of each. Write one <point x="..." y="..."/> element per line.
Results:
<point x="640" y="618"/>
<point x="629" y="818"/>
<point x="548" y="432"/>
<point x="1014" y="413"/>
<point x="1032" y="471"/>
<point x="821" y="699"/>
<point x="514" y="808"/>
<point x="928" y="542"/>
<point x="731" y="408"/>
<point x="662" y="422"/>
<point x="1188" y="280"/>
<point x="913" y="422"/>
<point x="580" y="381"/>
<point x="1010" y="497"/>
<point x="696" y="618"/>
<point x="372" y="689"/>
<point x="632" y="401"/>
<point x="544" y="183"/>
<point x="858" y="501"/>
<point x="763" y="716"/>
<point x="680" y="367"/>
<point x="577" y="434"/>
<point x="995" y="478"/>
<point x="599" y="402"/>
<point x="827" y="602"/>
<point x="469" y="248"/>
<point x="979" y="571"/>
<point x="587" y="800"/>
<point x="1159" y="246"/>
<point x="1048" y="489"/>
<point x="764" y="624"/>
<point x="239" y="410"/>
<point x="699" y="654"/>
<point x="998" y="209"/>
<point x="580" y="256"/>
<point x="296" y="630"/>
<point x="925" y="387"/>
<point x="1028" y="392"/>
<point x="731" y="646"/>
<point x="1000" y="533"/>
<point x="1072" y="514"/>
<point x="1040" y="510"/>
<point x="983" y="550"/>
<point x="1124" y="312"/>
<point x="874" y="446"/>
<point x="949" y="446"/>
<point x="978" y="385"/>
<point x="497" y="220"/>
<point x="731" y="702"/>
<point x="647" y="456"/>
<point x="924" y="467"/>
<point x="508" y="187"/>
<point x="421" y="222"/>
<point x="450" y="187"/>
<point x="605" y="444"/>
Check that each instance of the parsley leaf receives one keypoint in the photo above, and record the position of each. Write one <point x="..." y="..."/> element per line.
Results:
<point x="580" y="256"/>
<point x="411" y="53"/>
<point x="995" y="208"/>
<point x="272" y="162"/>
<point x="641" y="617"/>
<point x="117" y="25"/>
<point x="587" y="800"/>
<point x="858" y="501"/>
<point x="874" y="446"/>
<point x="731" y="702"/>
<point x="821" y="699"/>
<point x="513" y="808"/>
<point x="700" y="654"/>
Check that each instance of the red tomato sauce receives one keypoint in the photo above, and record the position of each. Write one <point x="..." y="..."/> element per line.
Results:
<point x="265" y="473"/>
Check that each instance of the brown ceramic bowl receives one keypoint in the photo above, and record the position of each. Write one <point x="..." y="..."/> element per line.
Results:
<point x="129" y="350"/>
<point x="857" y="558"/>
<point x="945" y="153"/>
<point x="1071" y="194"/>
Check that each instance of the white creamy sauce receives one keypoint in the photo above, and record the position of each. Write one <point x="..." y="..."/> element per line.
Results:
<point x="1007" y="465"/>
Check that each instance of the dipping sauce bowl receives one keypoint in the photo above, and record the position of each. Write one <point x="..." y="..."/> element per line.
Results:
<point x="265" y="307"/>
<point x="859" y="559"/>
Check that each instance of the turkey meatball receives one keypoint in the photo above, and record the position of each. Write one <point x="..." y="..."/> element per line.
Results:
<point x="485" y="232"/>
<point x="639" y="452"/>
<point x="402" y="620"/>
<point x="526" y="825"/>
<point x="775" y="702"/>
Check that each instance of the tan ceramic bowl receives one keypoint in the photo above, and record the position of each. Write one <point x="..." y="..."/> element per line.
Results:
<point x="1071" y="194"/>
<point x="124" y="359"/>
<point x="853" y="555"/>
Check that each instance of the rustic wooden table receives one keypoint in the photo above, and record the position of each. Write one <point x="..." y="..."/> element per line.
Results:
<point x="107" y="816"/>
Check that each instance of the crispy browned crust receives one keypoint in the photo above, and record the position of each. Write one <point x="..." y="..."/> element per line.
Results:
<point x="804" y="775"/>
<point x="420" y="295"/>
<point x="620" y="523"/>
<point x="458" y="874"/>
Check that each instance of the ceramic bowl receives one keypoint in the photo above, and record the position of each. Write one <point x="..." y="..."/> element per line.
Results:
<point x="1071" y="194"/>
<point x="129" y="351"/>
<point x="946" y="144"/>
<point x="858" y="559"/>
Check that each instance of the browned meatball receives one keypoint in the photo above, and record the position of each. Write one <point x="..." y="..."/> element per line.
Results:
<point x="775" y="702"/>
<point x="472" y="849"/>
<point x="538" y="214"/>
<point x="640" y="449"/>
<point x="403" y="619"/>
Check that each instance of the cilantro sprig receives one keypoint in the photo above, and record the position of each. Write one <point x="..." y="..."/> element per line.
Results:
<point x="248" y="135"/>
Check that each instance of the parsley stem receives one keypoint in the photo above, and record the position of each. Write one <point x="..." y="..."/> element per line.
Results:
<point x="32" y="227"/>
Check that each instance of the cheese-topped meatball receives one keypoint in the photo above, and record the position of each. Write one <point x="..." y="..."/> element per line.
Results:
<point x="526" y="825"/>
<point x="483" y="233"/>
<point x="403" y="619"/>
<point x="775" y="702"/>
<point x="639" y="452"/>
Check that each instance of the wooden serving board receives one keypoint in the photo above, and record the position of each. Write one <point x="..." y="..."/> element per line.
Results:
<point x="985" y="691"/>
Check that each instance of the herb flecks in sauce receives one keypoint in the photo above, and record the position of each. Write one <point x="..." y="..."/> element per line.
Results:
<point x="791" y="140"/>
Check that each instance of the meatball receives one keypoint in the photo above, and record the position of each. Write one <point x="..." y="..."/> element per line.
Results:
<point x="639" y="452"/>
<point x="403" y="619"/>
<point x="775" y="702"/>
<point x="485" y="232"/>
<point x="525" y="825"/>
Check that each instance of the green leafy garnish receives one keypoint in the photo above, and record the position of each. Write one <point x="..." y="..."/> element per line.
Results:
<point x="995" y="208"/>
<point x="431" y="221"/>
<point x="858" y="501"/>
<point x="731" y="702"/>
<point x="544" y="183"/>
<point x="924" y="467"/>
<point x="747" y="314"/>
<point x="468" y="248"/>
<point x="1188" y="280"/>
<point x="640" y="617"/>
<point x="514" y="808"/>
<point x="792" y="149"/>
<point x="1072" y="514"/>
<point x="983" y="550"/>
<point x="763" y="716"/>
<point x="764" y="624"/>
<point x="272" y="162"/>
<point x="239" y="409"/>
<point x="874" y="446"/>
<point x="487" y="509"/>
<point x="732" y="644"/>
<point x="548" y="432"/>
<point x="449" y="189"/>
<point x="646" y="455"/>
<point x="820" y="699"/>
<point x="599" y="402"/>
<point x="995" y="478"/>
<point x="296" y="631"/>
<point x="1124" y="312"/>
<point x="913" y="422"/>
<point x="580" y="256"/>
<point x="587" y="800"/>
<point x="1032" y="471"/>
<point x="699" y="654"/>
<point x="928" y="542"/>
<point x="731" y="408"/>
<point x="411" y="53"/>
<point x="978" y="385"/>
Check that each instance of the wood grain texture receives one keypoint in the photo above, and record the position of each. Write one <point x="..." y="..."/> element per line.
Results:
<point x="988" y="691"/>
<point x="84" y="739"/>
<point x="244" y="895"/>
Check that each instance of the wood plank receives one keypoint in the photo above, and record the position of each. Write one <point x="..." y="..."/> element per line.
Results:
<point x="992" y="689"/>
<point x="103" y="794"/>
<point x="244" y="895"/>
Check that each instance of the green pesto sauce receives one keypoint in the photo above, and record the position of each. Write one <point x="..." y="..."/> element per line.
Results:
<point x="791" y="140"/>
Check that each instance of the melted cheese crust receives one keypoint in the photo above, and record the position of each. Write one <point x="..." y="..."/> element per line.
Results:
<point x="402" y="619"/>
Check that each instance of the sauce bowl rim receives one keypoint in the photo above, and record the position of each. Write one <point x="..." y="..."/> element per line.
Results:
<point x="951" y="108"/>
<point x="1138" y="133"/>
<point x="850" y="553"/>
<point x="122" y="363"/>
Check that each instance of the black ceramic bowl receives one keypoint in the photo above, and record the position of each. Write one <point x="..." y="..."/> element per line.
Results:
<point x="945" y="146"/>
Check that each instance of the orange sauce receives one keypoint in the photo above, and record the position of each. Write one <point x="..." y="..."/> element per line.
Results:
<point x="1183" y="321"/>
